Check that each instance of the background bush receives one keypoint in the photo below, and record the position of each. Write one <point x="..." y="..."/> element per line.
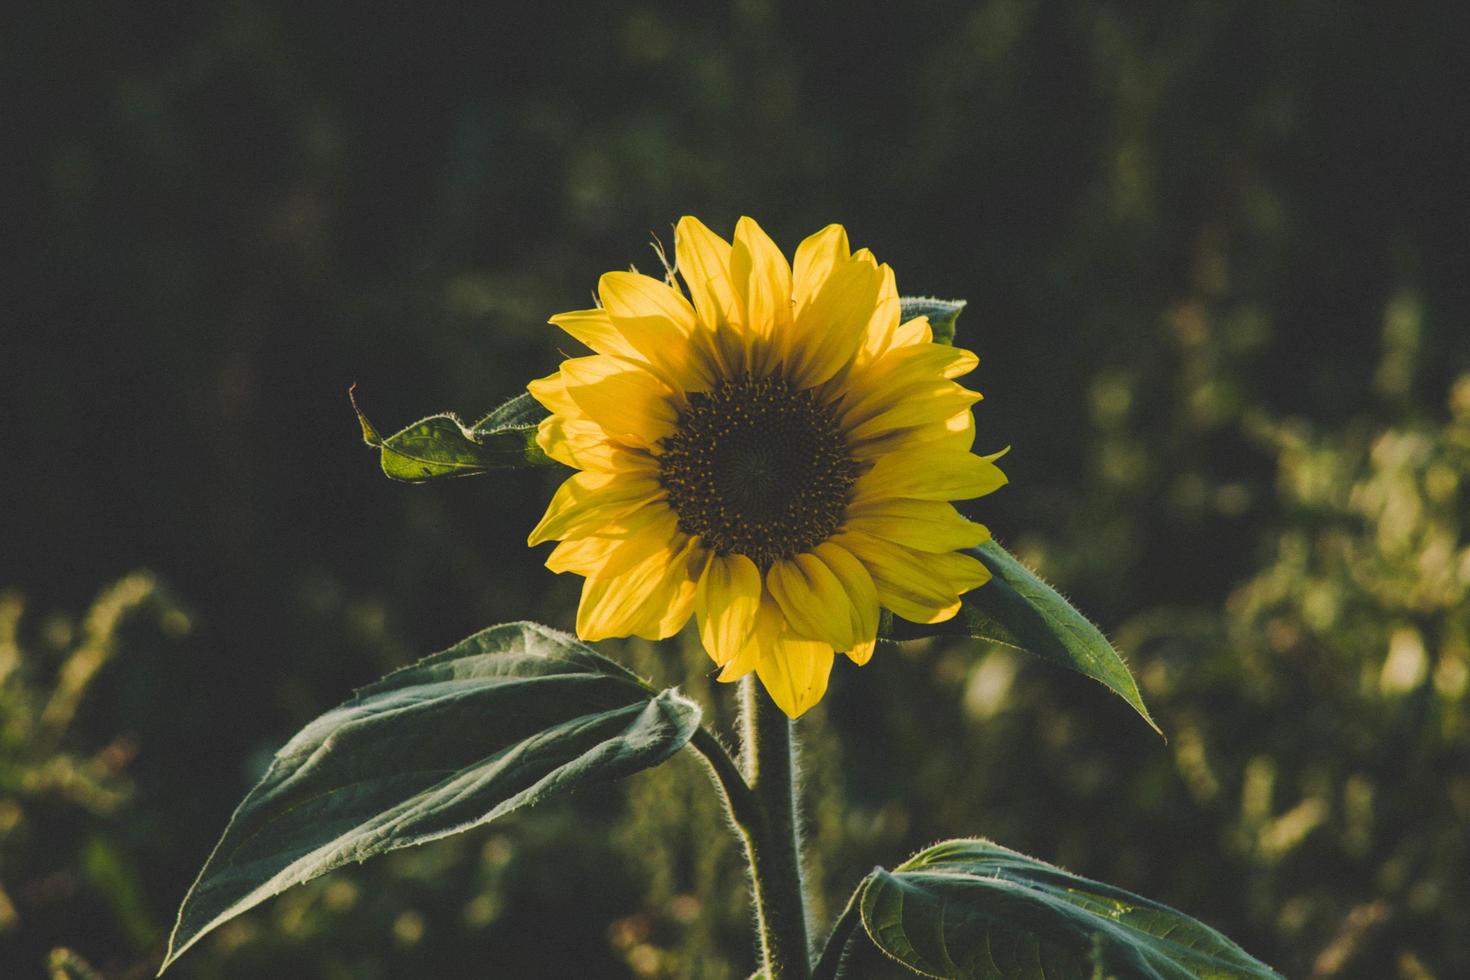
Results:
<point x="1216" y="261"/>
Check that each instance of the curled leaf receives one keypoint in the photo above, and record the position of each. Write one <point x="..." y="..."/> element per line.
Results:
<point x="442" y="446"/>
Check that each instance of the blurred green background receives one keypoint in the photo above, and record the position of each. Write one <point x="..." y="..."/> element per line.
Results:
<point x="1217" y="263"/>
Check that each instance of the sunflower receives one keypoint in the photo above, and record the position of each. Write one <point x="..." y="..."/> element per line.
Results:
<point x="774" y="455"/>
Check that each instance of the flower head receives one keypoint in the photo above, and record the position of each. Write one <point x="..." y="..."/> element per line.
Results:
<point x="774" y="455"/>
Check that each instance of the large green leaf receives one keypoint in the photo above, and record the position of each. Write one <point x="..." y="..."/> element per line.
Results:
<point x="973" y="909"/>
<point x="501" y="720"/>
<point x="942" y="314"/>
<point x="1020" y="610"/>
<point x="441" y="445"/>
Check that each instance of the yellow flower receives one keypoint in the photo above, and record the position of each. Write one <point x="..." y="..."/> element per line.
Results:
<point x="774" y="455"/>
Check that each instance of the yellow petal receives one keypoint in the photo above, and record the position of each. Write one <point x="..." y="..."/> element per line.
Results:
<point x="924" y="525"/>
<point x="813" y="600"/>
<point x="918" y="586"/>
<point x="770" y="624"/>
<point x="900" y="374"/>
<point x="551" y="392"/>
<point x="675" y="604"/>
<point x="628" y="402"/>
<point x="585" y="445"/>
<point x="763" y="280"/>
<point x="586" y="555"/>
<point x="634" y="297"/>
<point x="957" y="433"/>
<point x="929" y="471"/>
<point x="652" y="599"/>
<point x="862" y="595"/>
<point x="862" y="652"/>
<point x="878" y="334"/>
<point x="910" y="378"/>
<point x="915" y="331"/>
<point x="742" y="663"/>
<point x="589" y="500"/>
<point x="829" y="328"/>
<point x="815" y="259"/>
<point x="595" y="329"/>
<point x="794" y="672"/>
<point x="569" y="436"/>
<point x="619" y="545"/>
<point x="921" y="404"/>
<point x="659" y="323"/>
<point x="726" y="603"/>
<point x="703" y="259"/>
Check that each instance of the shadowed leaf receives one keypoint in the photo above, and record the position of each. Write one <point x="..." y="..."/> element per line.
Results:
<point x="1020" y="610"/>
<point x="972" y="910"/>
<point x="506" y="718"/>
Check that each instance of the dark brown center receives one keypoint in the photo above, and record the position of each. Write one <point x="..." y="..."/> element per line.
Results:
<point x="758" y="468"/>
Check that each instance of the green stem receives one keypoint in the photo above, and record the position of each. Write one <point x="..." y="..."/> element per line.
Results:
<point x="740" y="802"/>
<point x="769" y="761"/>
<point x="760" y="796"/>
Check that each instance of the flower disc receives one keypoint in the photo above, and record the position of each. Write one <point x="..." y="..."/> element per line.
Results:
<point x="757" y="468"/>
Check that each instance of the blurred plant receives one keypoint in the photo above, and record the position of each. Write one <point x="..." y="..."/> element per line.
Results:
<point x="56" y="793"/>
<point x="1351" y="648"/>
<point x="66" y="964"/>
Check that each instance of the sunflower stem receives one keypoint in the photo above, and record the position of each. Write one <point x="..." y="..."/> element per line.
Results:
<point x="773" y="845"/>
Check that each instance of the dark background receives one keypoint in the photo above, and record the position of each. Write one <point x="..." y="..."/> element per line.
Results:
<point x="1216" y="262"/>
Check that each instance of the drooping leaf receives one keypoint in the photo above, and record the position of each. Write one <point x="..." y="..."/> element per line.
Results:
<point x="971" y="909"/>
<point x="442" y="446"/>
<point x="1020" y="610"/>
<point x="942" y="314"/>
<point x="506" y="718"/>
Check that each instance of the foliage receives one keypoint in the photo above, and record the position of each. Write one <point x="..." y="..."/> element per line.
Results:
<point x="969" y="908"/>
<point x="59" y="792"/>
<point x="505" y="719"/>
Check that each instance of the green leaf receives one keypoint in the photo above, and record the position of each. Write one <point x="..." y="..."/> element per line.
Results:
<point x="973" y="909"/>
<point x="1018" y="609"/>
<point x="942" y="314"/>
<point x="442" y="446"/>
<point x="521" y="412"/>
<point x="506" y="718"/>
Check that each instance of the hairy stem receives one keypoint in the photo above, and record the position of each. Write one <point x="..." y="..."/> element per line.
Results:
<point x="740" y="802"/>
<point x="769" y="760"/>
<point x="761" y="799"/>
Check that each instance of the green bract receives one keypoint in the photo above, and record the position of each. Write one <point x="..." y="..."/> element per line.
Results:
<point x="942" y="314"/>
